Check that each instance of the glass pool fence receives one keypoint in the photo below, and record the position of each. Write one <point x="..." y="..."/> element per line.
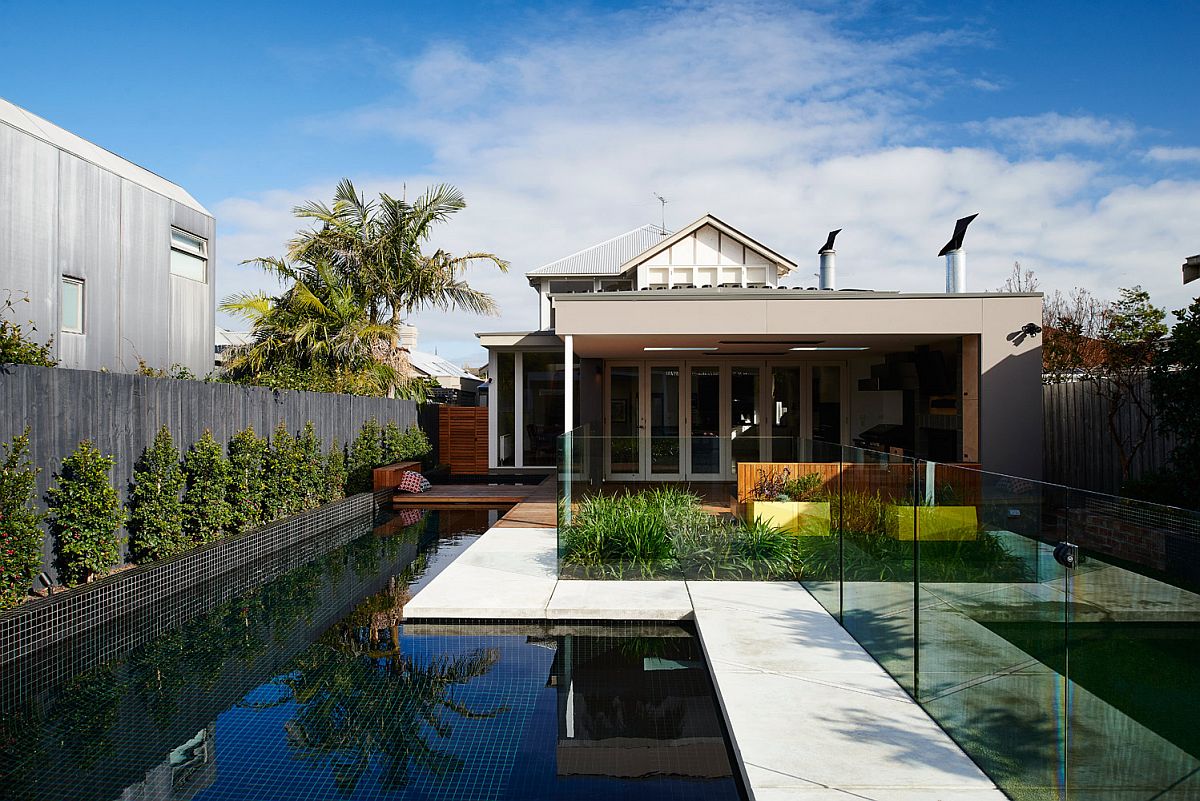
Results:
<point x="1053" y="632"/>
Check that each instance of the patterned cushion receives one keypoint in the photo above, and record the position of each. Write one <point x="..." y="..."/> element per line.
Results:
<point x="412" y="482"/>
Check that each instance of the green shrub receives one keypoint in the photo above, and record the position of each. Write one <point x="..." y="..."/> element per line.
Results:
<point x="17" y="346"/>
<point x="85" y="514"/>
<point x="282" y="492"/>
<point x="334" y="477"/>
<point x="767" y="549"/>
<point x="20" y="524"/>
<point x="804" y="488"/>
<point x="309" y="466"/>
<point x="858" y="512"/>
<point x="402" y="446"/>
<point x="206" y="513"/>
<point x="247" y="482"/>
<point x="366" y="453"/>
<point x="632" y="530"/>
<point x="155" y="508"/>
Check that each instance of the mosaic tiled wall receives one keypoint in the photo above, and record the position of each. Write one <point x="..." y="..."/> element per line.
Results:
<point x="47" y="639"/>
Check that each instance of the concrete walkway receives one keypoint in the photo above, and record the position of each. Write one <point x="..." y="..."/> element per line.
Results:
<point x="811" y="715"/>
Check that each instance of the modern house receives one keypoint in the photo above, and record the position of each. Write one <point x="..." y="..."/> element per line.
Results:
<point x="117" y="262"/>
<point x="687" y="357"/>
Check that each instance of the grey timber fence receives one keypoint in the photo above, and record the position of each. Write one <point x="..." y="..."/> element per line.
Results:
<point x="1079" y="450"/>
<point x="121" y="413"/>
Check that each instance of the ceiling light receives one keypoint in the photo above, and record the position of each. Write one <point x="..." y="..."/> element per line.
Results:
<point x="770" y="342"/>
<point x="649" y="349"/>
<point x="830" y="348"/>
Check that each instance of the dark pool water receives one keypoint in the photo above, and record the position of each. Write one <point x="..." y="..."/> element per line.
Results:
<point x="313" y="687"/>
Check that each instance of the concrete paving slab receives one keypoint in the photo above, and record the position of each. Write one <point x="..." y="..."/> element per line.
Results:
<point x="508" y="573"/>
<point x="846" y="726"/>
<point x="620" y="600"/>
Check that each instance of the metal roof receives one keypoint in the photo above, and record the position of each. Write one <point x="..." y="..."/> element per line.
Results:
<point x="63" y="139"/>
<point x="433" y="365"/>
<point x="605" y="258"/>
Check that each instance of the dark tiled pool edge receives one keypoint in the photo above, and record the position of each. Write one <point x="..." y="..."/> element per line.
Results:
<point x="88" y="625"/>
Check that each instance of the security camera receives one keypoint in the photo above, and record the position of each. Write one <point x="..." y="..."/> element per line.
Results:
<point x="1031" y="329"/>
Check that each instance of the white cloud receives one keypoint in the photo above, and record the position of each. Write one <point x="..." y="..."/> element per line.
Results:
<point x="777" y="122"/>
<point x="1053" y="131"/>
<point x="1174" y="154"/>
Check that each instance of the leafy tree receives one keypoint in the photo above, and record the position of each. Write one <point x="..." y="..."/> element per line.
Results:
<point x="366" y="453"/>
<point x="85" y="514"/>
<point x="351" y="281"/>
<point x="206" y="512"/>
<point x="310" y="467"/>
<point x="403" y="445"/>
<point x="17" y="346"/>
<point x="20" y="523"/>
<point x="318" y="325"/>
<point x="247" y="457"/>
<point x="155" y="507"/>
<point x="334" y="477"/>
<point x="1175" y="382"/>
<point x="1131" y="338"/>
<point x="1112" y="346"/>
<point x="282" y="492"/>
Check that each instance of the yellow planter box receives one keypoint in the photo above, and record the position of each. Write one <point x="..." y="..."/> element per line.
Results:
<point x="943" y="523"/>
<point x="808" y="518"/>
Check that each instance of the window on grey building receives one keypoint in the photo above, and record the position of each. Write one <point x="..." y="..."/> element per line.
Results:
<point x="189" y="256"/>
<point x="71" y="301"/>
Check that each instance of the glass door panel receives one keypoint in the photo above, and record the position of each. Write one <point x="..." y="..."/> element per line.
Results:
<point x="827" y="403"/>
<point x="705" y="427"/>
<point x="664" y="420"/>
<point x="745" y="426"/>
<point x="787" y="414"/>
<point x="624" y="420"/>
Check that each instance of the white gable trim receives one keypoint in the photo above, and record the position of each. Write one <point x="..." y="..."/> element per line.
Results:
<point x="754" y="252"/>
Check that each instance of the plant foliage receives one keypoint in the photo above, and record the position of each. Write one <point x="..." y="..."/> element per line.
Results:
<point x="20" y="523"/>
<point x="247" y="479"/>
<point x="334" y="475"/>
<point x="366" y="453"/>
<point x="155" y="504"/>
<point x="206" y="508"/>
<point x="18" y="346"/>
<point x="85" y="514"/>
<point x="282" y="494"/>
<point x="404" y="445"/>
<point x="309" y="464"/>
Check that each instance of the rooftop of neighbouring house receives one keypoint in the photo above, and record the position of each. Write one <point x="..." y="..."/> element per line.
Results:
<point x="33" y="125"/>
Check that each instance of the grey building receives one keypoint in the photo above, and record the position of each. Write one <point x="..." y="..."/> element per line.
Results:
<point x="117" y="262"/>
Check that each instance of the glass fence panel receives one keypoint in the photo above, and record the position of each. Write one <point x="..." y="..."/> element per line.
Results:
<point x="1133" y="650"/>
<point x="1053" y="633"/>
<point x="875" y="517"/>
<point x="989" y="585"/>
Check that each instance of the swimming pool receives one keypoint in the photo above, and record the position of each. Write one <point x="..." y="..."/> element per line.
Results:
<point x="312" y="686"/>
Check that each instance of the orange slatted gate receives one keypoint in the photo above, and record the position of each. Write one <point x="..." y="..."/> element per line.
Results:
<point x="463" y="439"/>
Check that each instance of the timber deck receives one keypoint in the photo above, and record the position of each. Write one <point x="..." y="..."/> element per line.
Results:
<point x="533" y="505"/>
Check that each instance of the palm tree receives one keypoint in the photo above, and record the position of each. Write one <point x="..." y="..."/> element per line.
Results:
<point x="319" y="325"/>
<point x="377" y="247"/>
<point x="355" y="278"/>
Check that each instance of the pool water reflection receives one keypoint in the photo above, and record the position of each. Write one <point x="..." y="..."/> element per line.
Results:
<point x="313" y="687"/>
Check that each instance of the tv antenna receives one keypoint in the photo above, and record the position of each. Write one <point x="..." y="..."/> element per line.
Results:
<point x="664" y="202"/>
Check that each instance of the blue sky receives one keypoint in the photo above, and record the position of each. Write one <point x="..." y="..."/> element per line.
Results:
<point x="1072" y="128"/>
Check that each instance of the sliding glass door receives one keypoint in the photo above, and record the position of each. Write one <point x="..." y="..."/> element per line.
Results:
<point x="623" y="421"/>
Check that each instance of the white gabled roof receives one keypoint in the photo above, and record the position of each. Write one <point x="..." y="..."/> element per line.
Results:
<point x="782" y="264"/>
<point x="605" y="258"/>
<point x="433" y="365"/>
<point x="63" y="139"/>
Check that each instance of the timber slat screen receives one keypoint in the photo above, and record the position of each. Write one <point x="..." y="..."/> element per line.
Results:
<point x="894" y="481"/>
<point x="463" y="439"/>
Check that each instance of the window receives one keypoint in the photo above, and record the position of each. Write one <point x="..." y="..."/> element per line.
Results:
<point x="189" y="256"/>
<point x="71" y="300"/>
